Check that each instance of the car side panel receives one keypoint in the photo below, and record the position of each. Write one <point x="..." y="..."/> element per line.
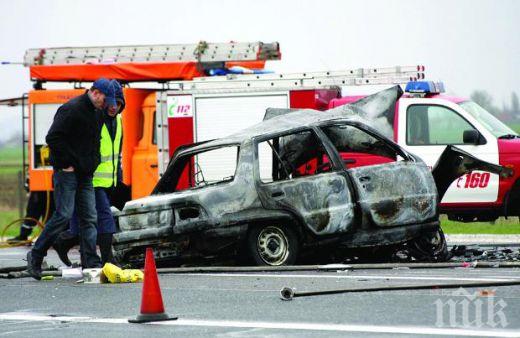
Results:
<point x="397" y="193"/>
<point x="223" y="202"/>
<point x="322" y="202"/>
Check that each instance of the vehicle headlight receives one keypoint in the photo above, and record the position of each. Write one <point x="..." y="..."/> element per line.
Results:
<point x="164" y="217"/>
<point x="151" y="219"/>
<point x="159" y="218"/>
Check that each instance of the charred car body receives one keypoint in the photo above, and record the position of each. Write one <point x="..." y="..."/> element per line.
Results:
<point x="297" y="182"/>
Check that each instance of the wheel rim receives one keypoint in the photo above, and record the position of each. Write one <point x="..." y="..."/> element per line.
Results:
<point x="433" y="243"/>
<point x="429" y="247"/>
<point x="436" y="240"/>
<point x="273" y="246"/>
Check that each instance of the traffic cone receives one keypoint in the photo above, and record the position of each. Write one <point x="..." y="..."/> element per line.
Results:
<point x="152" y="308"/>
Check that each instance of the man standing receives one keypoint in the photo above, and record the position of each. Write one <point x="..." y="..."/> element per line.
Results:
<point x="107" y="177"/>
<point x="73" y="140"/>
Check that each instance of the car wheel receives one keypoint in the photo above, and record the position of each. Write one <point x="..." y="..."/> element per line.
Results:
<point x="273" y="245"/>
<point x="430" y="247"/>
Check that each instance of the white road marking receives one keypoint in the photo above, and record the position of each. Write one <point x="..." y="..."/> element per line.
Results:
<point x="422" y="330"/>
<point x="340" y="276"/>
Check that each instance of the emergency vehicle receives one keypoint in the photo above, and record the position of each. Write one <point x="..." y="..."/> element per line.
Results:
<point x="171" y="101"/>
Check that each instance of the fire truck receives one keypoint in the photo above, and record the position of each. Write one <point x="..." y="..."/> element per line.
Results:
<point x="172" y="100"/>
<point x="145" y="72"/>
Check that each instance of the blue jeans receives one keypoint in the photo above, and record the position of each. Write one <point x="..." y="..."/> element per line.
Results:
<point x="71" y="190"/>
<point x="105" y="220"/>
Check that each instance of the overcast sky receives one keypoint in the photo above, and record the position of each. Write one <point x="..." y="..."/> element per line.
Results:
<point x="469" y="44"/>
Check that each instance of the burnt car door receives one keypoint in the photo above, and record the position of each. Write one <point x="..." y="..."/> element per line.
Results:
<point x="392" y="187"/>
<point x="294" y="173"/>
<point x="455" y="162"/>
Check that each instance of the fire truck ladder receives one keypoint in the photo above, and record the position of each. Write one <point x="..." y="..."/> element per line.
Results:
<point x="349" y="77"/>
<point x="198" y="52"/>
<point x="25" y="139"/>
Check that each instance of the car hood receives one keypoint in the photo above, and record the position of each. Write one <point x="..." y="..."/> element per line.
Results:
<point x="155" y="202"/>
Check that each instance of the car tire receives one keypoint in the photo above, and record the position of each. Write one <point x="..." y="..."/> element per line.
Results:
<point x="273" y="245"/>
<point x="430" y="247"/>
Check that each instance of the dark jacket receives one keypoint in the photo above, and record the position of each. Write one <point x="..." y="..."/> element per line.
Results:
<point x="74" y="136"/>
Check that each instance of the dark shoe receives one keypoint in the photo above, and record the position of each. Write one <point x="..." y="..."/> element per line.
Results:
<point x="34" y="267"/>
<point x="62" y="245"/>
<point x="23" y="237"/>
<point x="17" y="240"/>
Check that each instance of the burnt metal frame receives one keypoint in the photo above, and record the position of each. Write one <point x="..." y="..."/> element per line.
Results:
<point x="186" y="152"/>
<point x="331" y="151"/>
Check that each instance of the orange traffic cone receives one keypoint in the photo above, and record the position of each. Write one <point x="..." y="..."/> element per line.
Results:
<point x="152" y="308"/>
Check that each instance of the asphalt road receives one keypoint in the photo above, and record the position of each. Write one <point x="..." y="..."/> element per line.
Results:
<point x="248" y="304"/>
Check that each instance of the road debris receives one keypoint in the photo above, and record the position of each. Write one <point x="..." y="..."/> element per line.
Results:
<point x="92" y="276"/>
<point x="288" y="293"/>
<point x="115" y="274"/>
<point x="71" y="273"/>
<point x="471" y="253"/>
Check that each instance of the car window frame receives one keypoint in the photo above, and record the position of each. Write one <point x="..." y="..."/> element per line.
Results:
<point x="265" y="137"/>
<point x="436" y="144"/>
<point x="194" y="152"/>
<point x="367" y="129"/>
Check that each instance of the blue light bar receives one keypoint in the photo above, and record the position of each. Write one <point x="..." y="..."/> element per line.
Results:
<point x="424" y="87"/>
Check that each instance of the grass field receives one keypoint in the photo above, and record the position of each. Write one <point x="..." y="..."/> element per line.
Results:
<point x="515" y="127"/>
<point x="10" y="160"/>
<point x="10" y="165"/>
<point x="500" y="227"/>
<point x="6" y="217"/>
<point x="11" y="156"/>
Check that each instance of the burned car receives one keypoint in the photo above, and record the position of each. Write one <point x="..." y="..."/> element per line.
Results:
<point x="300" y="182"/>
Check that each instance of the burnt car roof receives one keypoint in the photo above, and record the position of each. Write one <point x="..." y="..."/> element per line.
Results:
<point x="372" y="111"/>
<point x="284" y="123"/>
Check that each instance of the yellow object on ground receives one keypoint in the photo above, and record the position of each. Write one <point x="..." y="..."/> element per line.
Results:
<point x="115" y="274"/>
<point x="48" y="278"/>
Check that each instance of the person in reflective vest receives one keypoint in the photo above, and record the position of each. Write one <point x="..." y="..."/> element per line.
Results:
<point x="107" y="176"/>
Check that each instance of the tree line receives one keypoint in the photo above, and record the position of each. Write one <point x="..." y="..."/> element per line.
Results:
<point x="509" y="112"/>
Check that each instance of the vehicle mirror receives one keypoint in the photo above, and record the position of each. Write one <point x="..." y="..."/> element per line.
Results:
<point x="471" y="136"/>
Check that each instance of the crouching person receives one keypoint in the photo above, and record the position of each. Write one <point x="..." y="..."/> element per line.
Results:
<point x="107" y="176"/>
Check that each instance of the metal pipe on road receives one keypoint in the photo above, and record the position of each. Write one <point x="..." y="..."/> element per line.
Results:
<point x="288" y="293"/>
